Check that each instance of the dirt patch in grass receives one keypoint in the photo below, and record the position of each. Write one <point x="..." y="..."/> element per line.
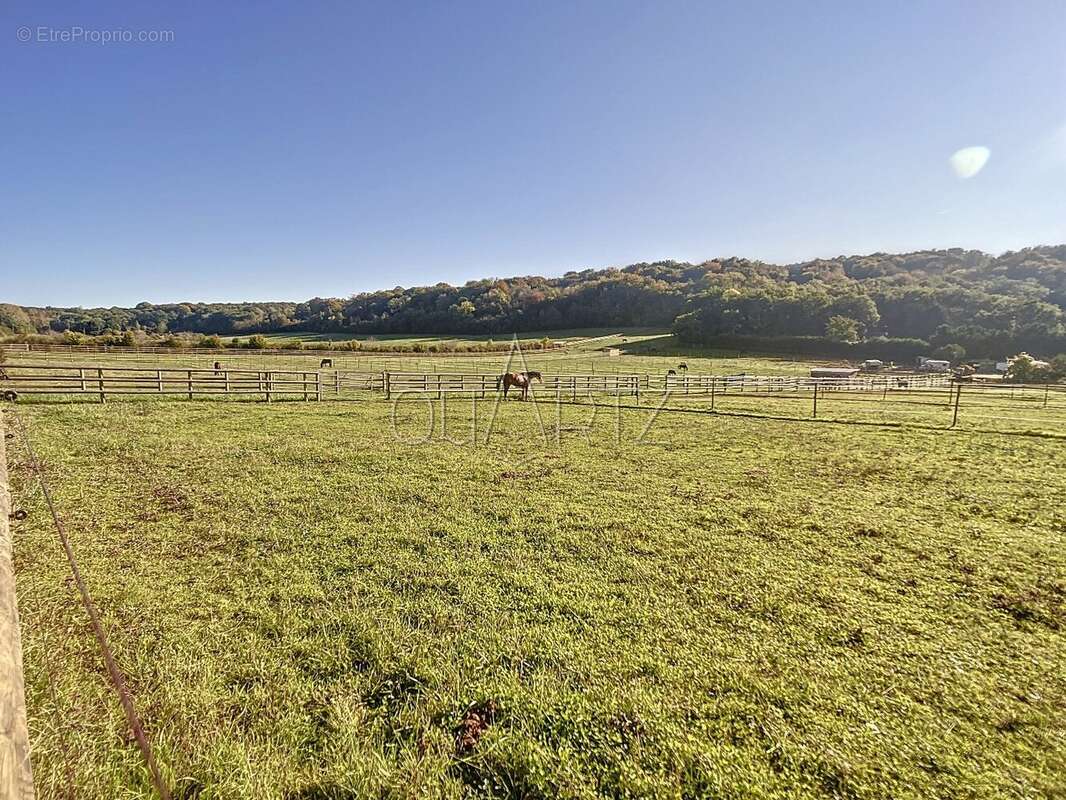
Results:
<point x="1044" y="604"/>
<point x="476" y="721"/>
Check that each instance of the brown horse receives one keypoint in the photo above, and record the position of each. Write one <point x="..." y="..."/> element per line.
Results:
<point x="521" y="380"/>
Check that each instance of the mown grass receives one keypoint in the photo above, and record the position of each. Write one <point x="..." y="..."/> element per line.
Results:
<point x="308" y="608"/>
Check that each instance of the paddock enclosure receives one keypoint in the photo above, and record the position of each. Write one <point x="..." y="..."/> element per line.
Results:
<point x="781" y="390"/>
<point x="421" y="591"/>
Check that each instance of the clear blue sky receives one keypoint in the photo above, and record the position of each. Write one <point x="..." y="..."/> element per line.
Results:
<point x="283" y="150"/>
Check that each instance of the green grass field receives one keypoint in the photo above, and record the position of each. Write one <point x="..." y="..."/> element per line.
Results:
<point x="570" y="335"/>
<point x="580" y="358"/>
<point x="313" y="601"/>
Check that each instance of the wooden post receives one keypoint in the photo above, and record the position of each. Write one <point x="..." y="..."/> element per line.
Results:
<point x="303" y="382"/>
<point x="955" y="413"/>
<point x="814" y="411"/>
<point x="712" y="393"/>
<point x="81" y="374"/>
<point x="226" y="378"/>
<point x="159" y="380"/>
<point x="388" y="384"/>
<point x="188" y="377"/>
<point x="100" y="379"/>
<point x="267" y="382"/>
<point x="16" y="776"/>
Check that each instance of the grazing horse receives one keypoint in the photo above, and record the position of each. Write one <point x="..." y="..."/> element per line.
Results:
<point x="683" y="365"/>
<point x="522" y="380"/>
<point x="326" y="362"/>
<point x="218" y="367"/>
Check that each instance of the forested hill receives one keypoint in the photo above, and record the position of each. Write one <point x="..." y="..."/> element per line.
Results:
<point x="942" y="296"/>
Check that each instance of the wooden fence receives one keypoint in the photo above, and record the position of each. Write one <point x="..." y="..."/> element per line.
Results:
<point x="16" y="777"/>
<point x="375" y="348"/>
<point x="101" y="382"/>
<point x="579" y="385"/>
<point x="104" y="382"/>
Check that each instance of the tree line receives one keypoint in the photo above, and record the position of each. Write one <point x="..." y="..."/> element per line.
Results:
<point x="967" y="301"/>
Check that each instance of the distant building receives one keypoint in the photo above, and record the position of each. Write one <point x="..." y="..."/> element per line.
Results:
<point x="872" y="365"/>
<point x="933" y="365"/>
<point x="611" y="351"/>
<point x="834" y="372"/>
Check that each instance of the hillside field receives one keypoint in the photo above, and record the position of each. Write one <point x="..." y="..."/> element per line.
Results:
<point x="313" y="601"/>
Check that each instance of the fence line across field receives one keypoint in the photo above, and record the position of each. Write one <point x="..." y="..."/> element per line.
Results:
<point x="101" y="382"/>
<point x="311" y="350"/>
<point x="933" y="396"/>
<point x="35" y="378"/>
<point x="634" y="383"/>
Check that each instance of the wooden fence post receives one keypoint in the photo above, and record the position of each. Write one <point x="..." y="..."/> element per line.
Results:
<point x="955" y="413"/>
<point x="814" y="412"/>
<point x="81" y="374"/>
<point x="159" y="380"/>
<point x="388" y="384"/>
<point x="188" y="377"/>
<point x="16" y="776"/>
<point x="100" y="379"/>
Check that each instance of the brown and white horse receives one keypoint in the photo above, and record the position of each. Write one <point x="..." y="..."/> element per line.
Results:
<point x="521" y="380"/>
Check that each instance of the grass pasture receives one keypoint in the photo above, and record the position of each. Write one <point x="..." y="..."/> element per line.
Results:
<point x="579" y="359"/>
<point x="576" y="337"/>
<point x="318" y="601"/>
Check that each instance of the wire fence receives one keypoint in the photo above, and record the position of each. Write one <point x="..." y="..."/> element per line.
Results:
<point x="919" y="399"/>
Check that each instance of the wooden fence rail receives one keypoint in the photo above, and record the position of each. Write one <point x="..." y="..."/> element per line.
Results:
<point x="575" y="385"/>
<point x="102" y="382"/>
<point x="310" y="350"/>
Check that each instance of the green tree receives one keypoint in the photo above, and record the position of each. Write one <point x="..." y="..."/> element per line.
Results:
<point x="13" y="319"/>
<point x="1024" y="369"/>
<point x="951" y="352"/>
<point x="1058" y="367"/>
<point x="842" y="329"/>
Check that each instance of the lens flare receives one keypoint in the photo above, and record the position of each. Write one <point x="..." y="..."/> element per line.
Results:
<point x="968" y="161"/>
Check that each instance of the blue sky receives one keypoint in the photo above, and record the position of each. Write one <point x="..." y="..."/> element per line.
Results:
<point x="288" y="150"/>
